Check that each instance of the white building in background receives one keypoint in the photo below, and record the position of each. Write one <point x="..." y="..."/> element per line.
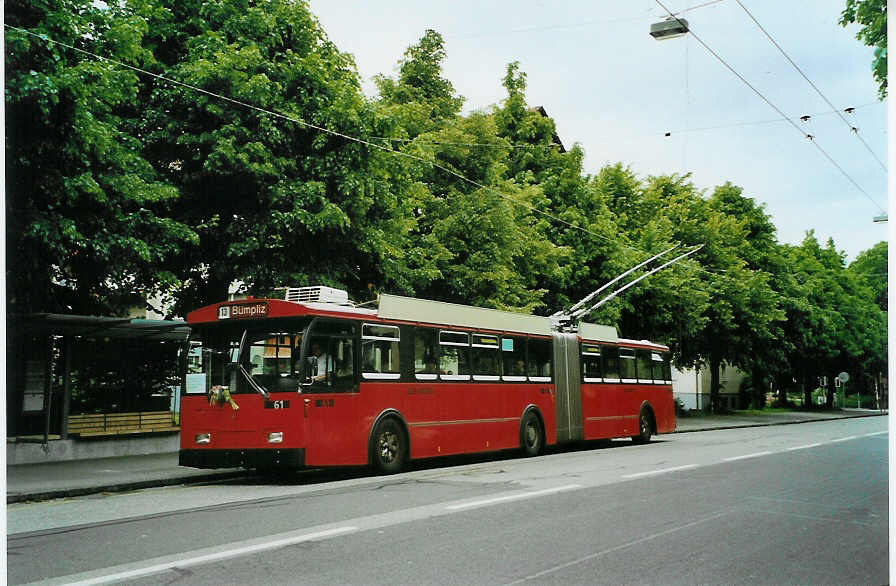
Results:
<point x="691" y="387"/>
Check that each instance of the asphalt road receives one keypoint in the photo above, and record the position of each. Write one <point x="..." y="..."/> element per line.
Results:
<point x="797" y="504"/>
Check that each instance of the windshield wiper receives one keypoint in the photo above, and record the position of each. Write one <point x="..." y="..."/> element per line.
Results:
<point x="255" y="386"/>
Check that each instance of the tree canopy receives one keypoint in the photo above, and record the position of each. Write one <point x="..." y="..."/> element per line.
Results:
<point x="90" y="220"/>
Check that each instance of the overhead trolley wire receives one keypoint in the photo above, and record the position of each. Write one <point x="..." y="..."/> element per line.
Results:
<point x="469" y="144"/>
<point x="772" y="105"/>
<point x="852" y="128"/>
<point x="756" y="122"/>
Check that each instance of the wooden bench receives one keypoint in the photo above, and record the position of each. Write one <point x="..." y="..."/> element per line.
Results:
<point x="100" y="424"/>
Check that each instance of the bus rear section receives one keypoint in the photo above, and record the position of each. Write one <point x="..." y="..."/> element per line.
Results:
<point x="612" y="388"/>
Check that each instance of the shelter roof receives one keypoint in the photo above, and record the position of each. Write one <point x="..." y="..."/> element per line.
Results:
<point x="91" y="326"/>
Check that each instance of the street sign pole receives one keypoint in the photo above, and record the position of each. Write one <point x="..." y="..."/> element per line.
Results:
<point x="844" y="378"/>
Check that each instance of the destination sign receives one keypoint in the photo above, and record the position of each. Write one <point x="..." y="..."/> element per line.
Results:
<point x="254" y="310"/>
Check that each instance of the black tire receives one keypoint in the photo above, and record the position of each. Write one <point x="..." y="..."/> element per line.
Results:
<point x="645" y="425"/>
<point x="388" y="447"/>
<point x="531" y="434"/>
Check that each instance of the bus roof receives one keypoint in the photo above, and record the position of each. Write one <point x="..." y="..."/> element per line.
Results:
<point x="422" y="310"/>
<point x="408" y="309"/>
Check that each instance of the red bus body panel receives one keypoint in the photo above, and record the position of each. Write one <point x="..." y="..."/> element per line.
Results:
<point x="334" y="428"/>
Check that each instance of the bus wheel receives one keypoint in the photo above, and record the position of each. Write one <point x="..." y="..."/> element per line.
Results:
<point x="531" y="434"/>
<point x="389" y="447"/>
<point x="645" y="426"/>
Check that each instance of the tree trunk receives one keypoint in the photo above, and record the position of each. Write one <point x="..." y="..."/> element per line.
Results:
<point x="808" y="387"/>
<point x="830" y="394"/>
<point x="714" y="383"/>
<point x="758" y="388"/>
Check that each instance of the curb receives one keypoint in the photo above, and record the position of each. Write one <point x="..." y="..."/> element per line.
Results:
<point x="857" y="416"/>
<point x="121" y="487"/>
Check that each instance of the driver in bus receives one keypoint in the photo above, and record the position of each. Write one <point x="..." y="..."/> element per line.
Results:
<point x="323" y="363"/>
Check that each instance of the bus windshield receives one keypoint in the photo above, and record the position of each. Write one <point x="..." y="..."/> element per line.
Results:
<point x="228" y="356"/>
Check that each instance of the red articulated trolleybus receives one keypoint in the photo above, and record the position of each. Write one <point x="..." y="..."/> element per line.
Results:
<point x="314" y="381"/>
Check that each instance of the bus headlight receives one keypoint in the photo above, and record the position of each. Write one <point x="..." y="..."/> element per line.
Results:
<point x="203" y="438"/>
<point x="275" y="437"/>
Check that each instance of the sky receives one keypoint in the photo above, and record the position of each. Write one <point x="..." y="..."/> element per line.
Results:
<point x="616" y="91"/>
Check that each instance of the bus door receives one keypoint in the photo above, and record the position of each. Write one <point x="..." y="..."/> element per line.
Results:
<point x="598" y="403"/>
<point x="334" y="434"/>
<point x="632" y="394"/>
<point x="612" y="391"/>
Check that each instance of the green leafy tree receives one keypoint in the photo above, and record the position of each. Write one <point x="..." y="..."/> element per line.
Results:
<point x="491" y="248"/>
<point x="426" y="99"/>
<point x="667" y="306"/>
<point x="760" y="252"/>
<point x="476" y="238"/>
<point x="871" y="15"/>
<point x="739" y="305"/>
<point x="88" y="217"/>
<point x="872" y="269"/>
<point x="274" y="200"/>
<point x="833" y="322"/>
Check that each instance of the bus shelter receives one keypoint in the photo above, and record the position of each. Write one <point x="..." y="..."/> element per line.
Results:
<point x="88" y="376"/>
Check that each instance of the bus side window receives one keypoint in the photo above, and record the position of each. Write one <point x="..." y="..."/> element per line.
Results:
<point x="539" y="360"/>
<point x="454" y="355"/>
<point x="379" y="352"/>
<point x="610" y="355"/>
<point x="591" y="367"/>
<point x="513" y="351"/>
<point x="645" y="368"/>
<point x="627" y="366"/>
<point x="426" y="354"/>
<point x="486" y="357"/>
<point x="667" y="368"/>
<point x="657" y="360"/>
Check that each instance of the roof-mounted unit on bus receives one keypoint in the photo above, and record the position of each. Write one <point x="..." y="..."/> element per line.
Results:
<point x="439" y="312"/>
<point x="317" y="294"/>
<point x="597" y="332"/>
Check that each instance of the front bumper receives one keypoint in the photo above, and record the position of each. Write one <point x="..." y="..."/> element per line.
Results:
<point x="255" y="458"/>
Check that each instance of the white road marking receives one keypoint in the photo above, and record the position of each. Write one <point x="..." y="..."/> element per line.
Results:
<point x="513" y="497"/>
<point x="170" y="562"/>
<point x="804" y="447"/>
<point x="843" y="439"/>
<point x="876" y="433"/>
<point x="744" y="457"/>
<point x="660" y="471"/>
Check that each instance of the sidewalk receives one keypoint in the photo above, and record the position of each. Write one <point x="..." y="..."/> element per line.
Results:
<point x="711" y="422"/>
<point x="36" y="482"/>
